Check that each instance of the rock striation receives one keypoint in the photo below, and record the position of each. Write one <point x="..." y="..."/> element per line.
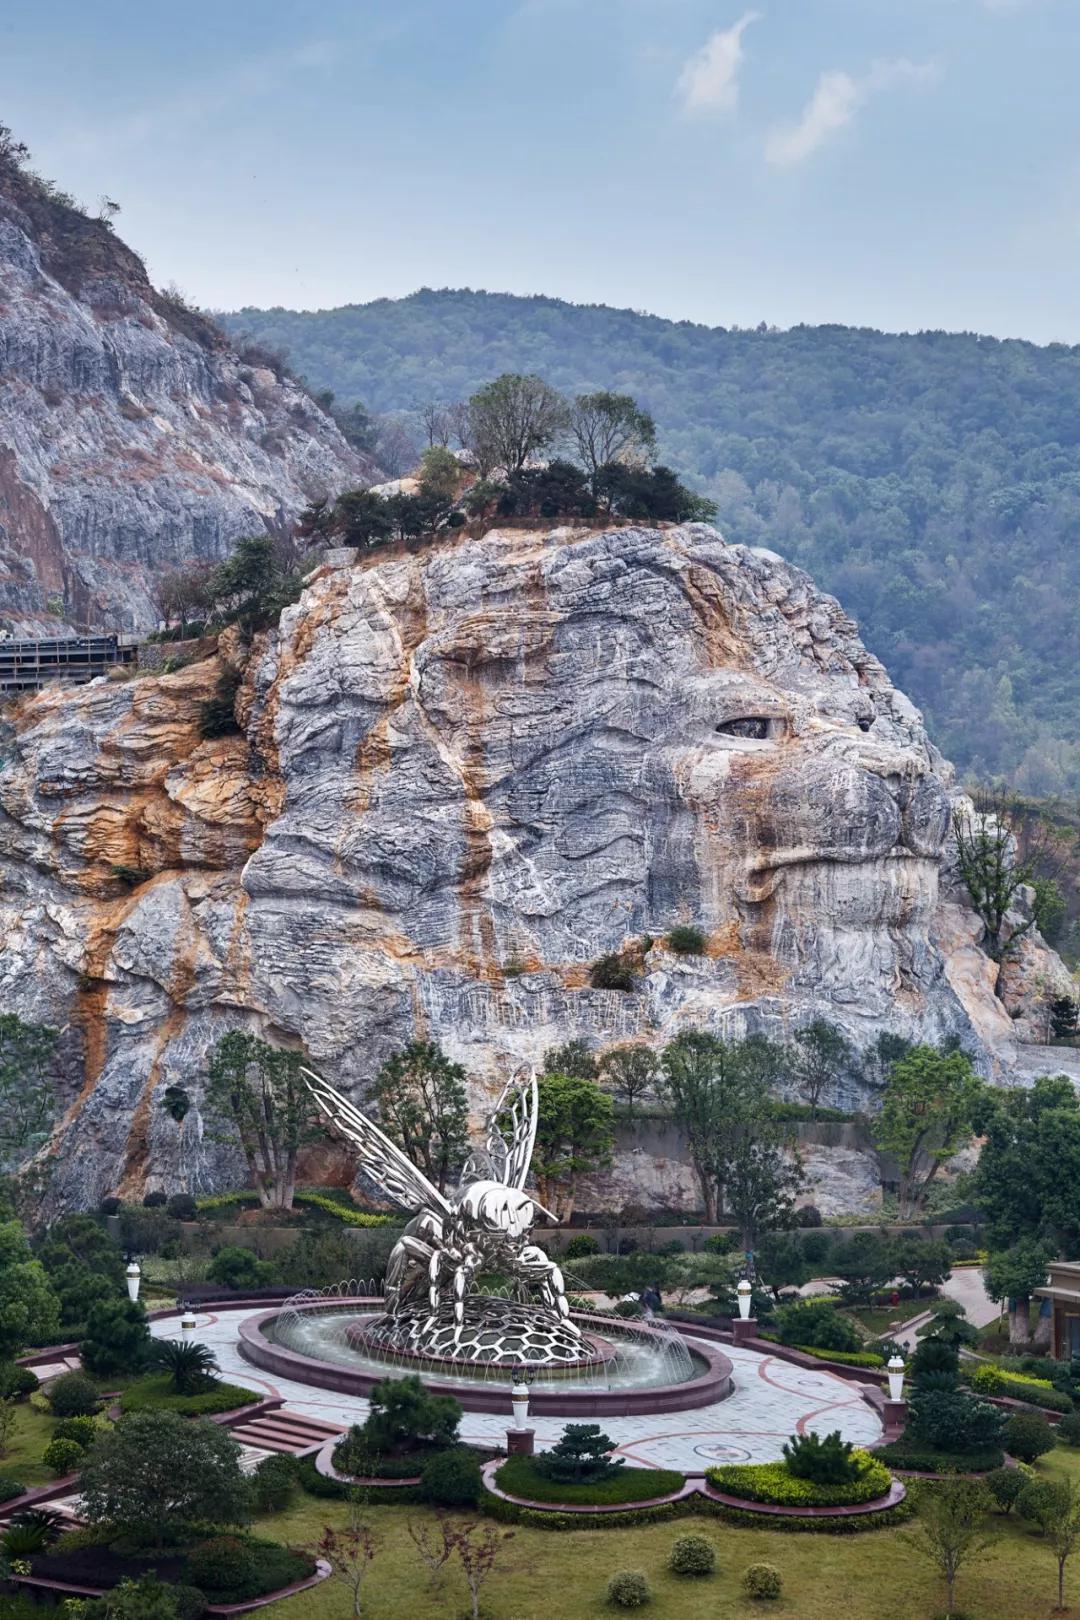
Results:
<point x="133" y="438"/>
<point x="460" y="777"/>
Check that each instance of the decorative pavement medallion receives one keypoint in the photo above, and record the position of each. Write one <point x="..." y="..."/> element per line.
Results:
<point x="723" y="1453"/>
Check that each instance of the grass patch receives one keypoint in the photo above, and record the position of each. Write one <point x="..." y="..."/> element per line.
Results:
<point x="22" y="1459"/>
<point x="518" y="1476"/>
<point x="156" y="1394"/>
<point x="876" y="1320"/>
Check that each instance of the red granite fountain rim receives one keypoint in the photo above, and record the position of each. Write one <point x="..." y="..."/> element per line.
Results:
<point x="708" y="1387"/>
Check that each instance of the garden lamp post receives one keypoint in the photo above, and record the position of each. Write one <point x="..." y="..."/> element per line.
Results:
<point x="520" y="1439"/>
<point x="744" y="1292"/>
<point x="744" y="1326"/>
<point x="133" y="1277"/>
<point x="188" y="1321"/>
<point x="895" y="1370"/>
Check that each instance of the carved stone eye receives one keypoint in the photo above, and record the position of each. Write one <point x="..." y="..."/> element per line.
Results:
<point x="755" y="726"/>
<point x="865" y="722"/>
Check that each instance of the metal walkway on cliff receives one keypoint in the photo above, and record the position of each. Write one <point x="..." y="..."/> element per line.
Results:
<point x="26" y="666"/>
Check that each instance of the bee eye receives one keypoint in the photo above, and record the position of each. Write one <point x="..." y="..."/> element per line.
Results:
<point x="754" y="726"/>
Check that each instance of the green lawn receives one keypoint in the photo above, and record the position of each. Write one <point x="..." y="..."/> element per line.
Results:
<point x="542" y="1575"/>
<point x="22" y="1460"/>
<point x="878" y="1319"/>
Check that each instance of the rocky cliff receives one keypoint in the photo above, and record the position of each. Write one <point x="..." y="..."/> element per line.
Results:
<point x="462" y="776"/>
<point x="132" y="437"/>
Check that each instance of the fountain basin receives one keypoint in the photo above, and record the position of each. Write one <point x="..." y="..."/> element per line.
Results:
<point x="710" y="1379"/>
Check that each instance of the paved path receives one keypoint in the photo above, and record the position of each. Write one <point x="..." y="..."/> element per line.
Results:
<point x="966" y="1286"/>
<point x="773" y="1399"/>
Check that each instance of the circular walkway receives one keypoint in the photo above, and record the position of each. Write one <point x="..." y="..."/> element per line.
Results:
<point x="773" y="1399"/>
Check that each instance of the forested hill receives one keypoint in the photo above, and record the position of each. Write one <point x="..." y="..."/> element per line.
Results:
<point x="932" y="482"/>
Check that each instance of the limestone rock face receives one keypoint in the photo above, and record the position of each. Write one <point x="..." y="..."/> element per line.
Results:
<point x="132" y="437"/>
<point x="464" y="775"/>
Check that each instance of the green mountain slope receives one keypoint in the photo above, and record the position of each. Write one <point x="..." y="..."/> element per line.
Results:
<point x="932" y="482"/>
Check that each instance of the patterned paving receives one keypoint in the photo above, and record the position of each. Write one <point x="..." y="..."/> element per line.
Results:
<point x="773" y="1399"/>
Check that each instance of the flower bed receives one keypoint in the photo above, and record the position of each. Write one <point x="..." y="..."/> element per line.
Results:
<point x="990" y="1380"/>
<point x="518" y="1477"/>
<point x="157" y="1394"/>
<point x="905" y="1454"/>
<point x="774" y="1484"/>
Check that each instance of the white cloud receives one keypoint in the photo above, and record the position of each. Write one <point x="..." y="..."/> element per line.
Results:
<point x="709" y="81"/>
<point x="836" y="99"/>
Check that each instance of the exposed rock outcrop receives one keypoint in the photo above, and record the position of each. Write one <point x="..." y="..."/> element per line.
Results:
<point x="463" y="776"/>
<point x="132" y="436"/>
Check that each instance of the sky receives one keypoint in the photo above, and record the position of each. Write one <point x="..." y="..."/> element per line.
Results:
<point x="903" y="164"/>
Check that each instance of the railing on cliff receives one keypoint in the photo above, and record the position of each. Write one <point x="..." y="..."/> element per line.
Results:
<point x="26" y="666"/>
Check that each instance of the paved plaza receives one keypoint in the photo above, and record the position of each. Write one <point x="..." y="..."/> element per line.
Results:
<point x="773" y="1399"/>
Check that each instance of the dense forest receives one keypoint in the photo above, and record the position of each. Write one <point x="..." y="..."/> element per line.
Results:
<point x="931" y="481"/>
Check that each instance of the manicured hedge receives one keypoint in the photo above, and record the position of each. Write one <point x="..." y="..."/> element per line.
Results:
<point x="989" y="1380"/>
<point x="518" y="1476"/>
<point x="156" y="1394"/>
<point x="924" y="1460"/>
<point x="347" y="1214"/>
<point x="850" y="1358"/>
<point x="335" y="1490"/>
<point x="773" y="1483"/>
<point x="10" y="1488"/>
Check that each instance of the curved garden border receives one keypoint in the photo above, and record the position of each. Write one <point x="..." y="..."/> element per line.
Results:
<point x="693" y="1485"/>
<point x="713" y="1385"/>
<point x="44" y="1583"/>
<point x="324" y="1465"/>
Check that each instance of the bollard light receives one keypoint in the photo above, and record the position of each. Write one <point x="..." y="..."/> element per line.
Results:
<point x="519" y="1398"/>
<point x="895" y="1370"/>
<point x="744" y="1292"/>
<point x="134" y="1277"/>
<point x="188" y="1321"/>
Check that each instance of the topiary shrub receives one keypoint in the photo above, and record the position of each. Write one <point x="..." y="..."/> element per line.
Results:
<point x="1005" y="1486"/>
<point x="236" y="1267"/>
<point x="182" y="1207"/>
<point x="274" y="1483"/>
<point x="1068" y="1430"/>
<point x="452" y="1478"/>
<point x="83" y="1430"/>
<point x="225" y="1565"/>
<point x="63" y="1456"/>
<point x="628" y="1589"/>
<point x="762" y="1581"/>
<point x="73" y="1395"/>
<point x="692" y="1555"/>
<point x="581" y="1245"/>
<point x="686" y="940"/>
<point x="613" y="972"/>
<point x="1028" y="1436"/>
<point x="16" y="1381"/>
<point x="819" y="1324"/>
<point x="117" y="1337"/>
<point x="188" y="1601"/>
<point x="10" y="1488"/>
<point x="580" y="1455"/>
<point x="827" y="1460"/>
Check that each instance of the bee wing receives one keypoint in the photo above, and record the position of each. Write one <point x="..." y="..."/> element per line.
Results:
<point x="385" y="1164"/>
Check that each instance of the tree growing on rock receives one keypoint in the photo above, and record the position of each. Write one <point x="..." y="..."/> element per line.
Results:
<point x="995" y="863"/>
<point x="607" y="427"/>
<point x="575" y="1132"/>
<point x="927" y="1114"/>
<point x="257" y="1101"/>
<point x="424" y="1108"/>
<point x="822" y="1058"/>
<point x="631" y="1071"/>
<point x="512" y="419"/>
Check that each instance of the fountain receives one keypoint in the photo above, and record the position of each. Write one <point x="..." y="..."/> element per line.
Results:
<point x="435" y="1321"/>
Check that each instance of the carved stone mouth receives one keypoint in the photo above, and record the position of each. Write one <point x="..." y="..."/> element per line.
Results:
<point x="763" y="872"/>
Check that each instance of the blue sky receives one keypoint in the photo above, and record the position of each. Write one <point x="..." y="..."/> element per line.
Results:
<point x="895" y="163"/>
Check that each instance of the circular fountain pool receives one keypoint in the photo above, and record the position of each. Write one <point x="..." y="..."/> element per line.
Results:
<point x="625" y="1367"/>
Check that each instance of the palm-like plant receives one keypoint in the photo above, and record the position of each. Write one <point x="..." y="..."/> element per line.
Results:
<point x="30" y="1532"/>
<point x="191" y="1365"/>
